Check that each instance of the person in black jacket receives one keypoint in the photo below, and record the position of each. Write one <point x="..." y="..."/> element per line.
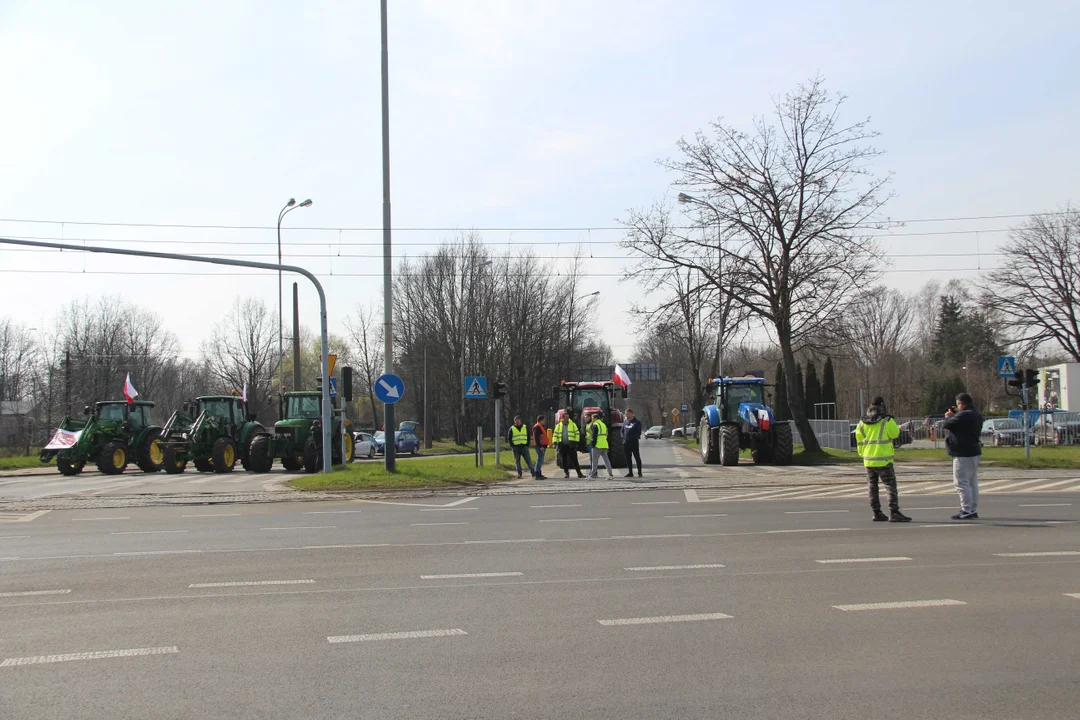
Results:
<point x="631" y="437"/>
<point x="964" y="424"/>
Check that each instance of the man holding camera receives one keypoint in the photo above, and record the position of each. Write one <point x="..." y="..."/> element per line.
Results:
<point x="964" y="424"/>
<point x="874" y="436"/>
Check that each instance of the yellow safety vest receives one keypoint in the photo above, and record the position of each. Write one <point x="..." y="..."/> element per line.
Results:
<point x="571" y="433"/>
<point x="877" y="451"/>
<point x="519" y="435"/>
<point x="601" y="434"/>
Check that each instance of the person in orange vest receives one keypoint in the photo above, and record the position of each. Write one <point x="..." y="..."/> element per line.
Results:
<point x="540" y="442"/>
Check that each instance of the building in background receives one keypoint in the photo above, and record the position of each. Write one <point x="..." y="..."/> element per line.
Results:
<point x="15" y="424"/>
<point x="1059" y="387"/>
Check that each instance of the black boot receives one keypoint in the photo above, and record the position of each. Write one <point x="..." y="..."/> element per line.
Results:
<point x="897" y="516"/>
<point x="880" y="516"/>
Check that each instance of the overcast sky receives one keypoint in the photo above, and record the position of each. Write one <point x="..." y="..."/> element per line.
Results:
<point x="504" y="114"/>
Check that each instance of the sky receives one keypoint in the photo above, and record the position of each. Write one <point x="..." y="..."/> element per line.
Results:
<point x="541" y="120"/>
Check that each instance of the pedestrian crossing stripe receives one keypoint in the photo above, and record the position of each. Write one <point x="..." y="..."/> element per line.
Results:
<point x="20" y="517"/>
<point x="834" y="491"/>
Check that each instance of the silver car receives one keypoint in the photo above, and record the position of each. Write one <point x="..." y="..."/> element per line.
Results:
<point x="365" y="444"/>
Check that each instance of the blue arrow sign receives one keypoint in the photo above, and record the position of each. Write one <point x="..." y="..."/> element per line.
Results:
<point x="333" y="387"/>
<point x="475" y="387"/>
<point x="1006" y="366"/>
<point x="389" y="389"/>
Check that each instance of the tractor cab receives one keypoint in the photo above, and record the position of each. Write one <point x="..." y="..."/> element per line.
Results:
<point x="135" y="416"/>
<point x="226" y="410"/>
<point x="302" y="406"/>
<point x="738" y="397"/>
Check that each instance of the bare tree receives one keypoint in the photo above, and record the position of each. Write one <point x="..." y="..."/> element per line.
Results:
<point x="243" y="351"/>
<point x="366" y="337"/>
<point x="18" y="354"/>
<point x="1036" y="291"/>
<point x="791" y="200"/>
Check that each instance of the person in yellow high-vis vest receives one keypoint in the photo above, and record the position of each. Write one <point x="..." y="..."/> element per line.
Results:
<point x="566" y="437"/>
<point x="518" y="437"/>
<point x="874" y="436"/>
<point x="598" y="446"/>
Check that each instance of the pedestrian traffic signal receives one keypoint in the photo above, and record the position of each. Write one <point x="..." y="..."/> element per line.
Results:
<point x="500" y="390"/>
<point x="1017" y="380"/>
<point x="1031" y="378"/>
<point x="346" y="383"/>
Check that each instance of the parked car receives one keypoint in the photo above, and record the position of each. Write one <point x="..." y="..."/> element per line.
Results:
<point x="656" y="432"/>
<point x="405" y="441"/>
<point x="1057" y="429"/>
<point x="691" y="430"/>
<point x="677" y="431"/>
<point x="1002" y="431"/>
<point x="364" y="444"/>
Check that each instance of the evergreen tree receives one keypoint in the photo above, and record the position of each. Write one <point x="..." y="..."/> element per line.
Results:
<point x="798" y="379"/>
<point x="813" y="390"/>
<point x="941" y="395"/>
<point x="951" y="333"/>
<point x="781" y="409"/>
<point x="828" y="387"/>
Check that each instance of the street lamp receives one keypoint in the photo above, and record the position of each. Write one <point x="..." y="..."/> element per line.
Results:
<point x="685" y="199"/>
<point x="464" y="338"/>
<point x="289" y="207"/>
<point x="570" y="328"/>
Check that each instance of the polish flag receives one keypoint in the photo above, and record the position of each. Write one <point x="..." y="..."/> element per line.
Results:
<point x="130" y="393"/>
<point x="243" y="395"/>
<point x="621" y="378"/>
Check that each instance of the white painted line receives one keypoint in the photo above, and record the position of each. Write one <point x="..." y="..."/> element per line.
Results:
<point x="460" y="502"/>
<point x="802" y="530"/>
<point x="148" y="532"/>
<point x="303" y="527"/>
<point x="444" y="509"/>
<point x="395" y="636"/>
<point x="812" y="512"/>
<point x="95" y="519"/>
<point x="1052" y="553"/>
<point x="159" y="552"/>
<point x="939" y="507"/>
<point x="213" y="515"/>
<point x="673" y="567"/>
<point x="98" y="655"/>
<point x="502" y="542"/>
<point x="1048" y="505"/>
<point x="1010" y="486"/>
<point x="28" y="593"/>
<point x="459" y="576"/>
<point x="332" y="512"/>
<point x="573" y="519"/>
<point x="200" y="481"/>
<point x="250" y="583"/>
<point x="8" y="558"/>
<point x="658" y="502"/>
<point x="691" y="496"/>
<point x="1060" y="522"/>
<point x="1073" y="595"/>
<point x="13" y="537"/>
<point x="431" y="524"/>
<point x="861" y="560"/>
<point x="898" y="605"/>
<point x="664" y="619"/>
<point x="554" y="506"/>
<point x="1051" y="485"/>
<point x="647" y="537"/>
<point x="701" y="515"/>
<point x="945" y="525"/>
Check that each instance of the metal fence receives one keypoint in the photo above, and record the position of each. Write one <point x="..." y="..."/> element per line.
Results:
<point x="834" y="434"/>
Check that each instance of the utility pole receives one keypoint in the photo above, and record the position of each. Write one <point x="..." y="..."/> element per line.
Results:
<point x="296" y="382"/>
<point x="427" y="415"/>
<point x="389" y="448"/>
<point x="498" y="427"/>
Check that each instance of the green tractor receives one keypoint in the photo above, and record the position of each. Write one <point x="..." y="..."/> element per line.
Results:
<point x="297" y="439"/>
<point x="212" y="433"/>
<point x="113" y="434"/>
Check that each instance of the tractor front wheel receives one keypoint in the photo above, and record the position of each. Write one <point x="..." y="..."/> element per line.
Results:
<point x="66" y="467"/>
<point x="224" y="457"/>
<point x="708" y="442"/>
<point x="113" y="459"/>
<point x="292" y="463"/>
<point x="150" y="458"/>
<point x="171" y="464"/>
<point x="203" y="464"/>
<point x="785" y="445"/>
<point x="729" y="445"/>
<point x="259" y="459"/>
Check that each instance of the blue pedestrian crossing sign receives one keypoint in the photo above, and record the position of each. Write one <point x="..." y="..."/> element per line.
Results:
<point x="333" y="387"/>
<point x="475" y="387"/>
<point x="389" y="389"/>
<point x="1006" y="366"/>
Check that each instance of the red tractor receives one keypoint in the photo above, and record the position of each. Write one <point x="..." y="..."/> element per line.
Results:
<point x="595" y="397"/>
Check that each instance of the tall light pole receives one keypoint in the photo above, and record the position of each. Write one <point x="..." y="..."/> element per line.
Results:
<point x="289" y="207"/>
<point x="389" y="447"/>
<point x="467" y="321"/>
<point x="570" y="329"/>
<point x="685" y="199"/>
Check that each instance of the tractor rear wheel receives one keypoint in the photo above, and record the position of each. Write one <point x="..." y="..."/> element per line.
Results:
<point x="616" y="451"/>
<point x="292" y="463"/>
<point x="259" y="459"/>
<point x="66" y="467"/>
<point x="311" y="456"/>
<point x="203" y="464"/>
<point x="224" y="457"/>
<point x="150" y="458"/>
<point x="729" y="445"/>
<point x="113" y="459"/>
<point x="785" y="446"/>
<point x="171" y="464"/>
<point x="708" y="442"/>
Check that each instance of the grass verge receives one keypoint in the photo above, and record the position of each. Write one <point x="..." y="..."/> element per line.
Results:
<point x="411" y="474"/>
<point x="20" y="462"/>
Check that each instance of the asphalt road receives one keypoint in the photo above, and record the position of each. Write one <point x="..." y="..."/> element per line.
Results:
<point x="576" y="605"/>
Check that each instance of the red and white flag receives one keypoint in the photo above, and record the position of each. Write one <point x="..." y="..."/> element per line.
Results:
<point x="243" y="395"/>
<point x="621" y="378"/>
<point x="130" y="393"/>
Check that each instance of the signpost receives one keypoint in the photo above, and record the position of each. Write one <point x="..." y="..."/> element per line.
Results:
<point x="1006" y="366"/>
<point x="389" y="389"/>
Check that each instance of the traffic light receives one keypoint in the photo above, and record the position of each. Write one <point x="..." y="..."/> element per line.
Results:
<point x="346" y="383"/>
<point x="318" y="382"/>
<point x="1031" y="378"/>
<point x="1018" y="379"/>
<point x="500" y="390"/>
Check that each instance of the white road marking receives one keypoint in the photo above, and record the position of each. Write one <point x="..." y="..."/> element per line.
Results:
<point x="95" y="519"/>
<point x="647" y="537"/>
<point x="28" y="593"/>
<point x="430" y="524"/>
<point x="98" y="655"/>
<point x="1048" y="505"/>
<point x="898" y="605"/>
<point x="939" y="507"/>
<point x="21" y="518"/>
<point x="460" y="502"/>
<point x="159" y="552"/>
<point x="445" y="509"/>
<point x="673" y="567"/>
<point x="13" y="537"/>
<point x="213" y="515"/>
<point x="800" y="530"/>
<point x="664" y="619"/>
<point x="458" y="576"/>
<point x="303" y="527"/>
<point x="554" y="506"/>
<point x="148" y="532"/>
<point x="573" y="519"/>
<point x="1010" y="486"/>
<point x="701" y="515"/>
<point x="395" y="636"/>
<point x="1052" y="485"/>
<point x="200" y="481"/>
<point x="658" y="502"/>
<point x="1051" y="553"/>
<point x="860" y="560"/>
<point x="250" y="583"/>
<point x="812" y="512"/>
<point x="332" y="512"/>
<point x="691" y="496"/>
<point x="945" y="525"/>
<point x="8" y="558"/>
<point x="1073" y="595"/>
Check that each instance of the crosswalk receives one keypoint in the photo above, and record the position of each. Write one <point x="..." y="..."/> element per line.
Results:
<point x="803" y="492"/>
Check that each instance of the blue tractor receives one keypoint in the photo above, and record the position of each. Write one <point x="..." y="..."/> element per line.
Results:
<point x="738" y="420"/>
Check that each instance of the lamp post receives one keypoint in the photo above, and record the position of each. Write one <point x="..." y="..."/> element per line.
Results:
<point x="570" y="328"/>
<point x="467" y="317"/>
<point x="685" y="199"/>
<point x="289" y="207"/>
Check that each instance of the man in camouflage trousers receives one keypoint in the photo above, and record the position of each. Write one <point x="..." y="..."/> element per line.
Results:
<point x="874" y="437"/>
